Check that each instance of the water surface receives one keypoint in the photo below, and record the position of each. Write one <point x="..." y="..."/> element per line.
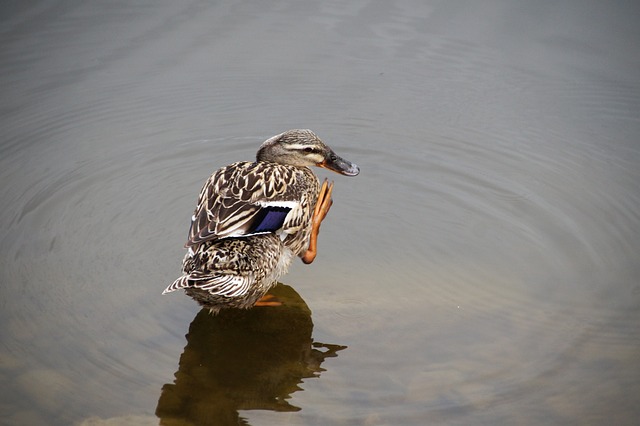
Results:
<point x="482" y="269"/>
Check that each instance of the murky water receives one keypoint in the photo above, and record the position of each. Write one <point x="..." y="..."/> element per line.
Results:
<point x="484" y="268"/>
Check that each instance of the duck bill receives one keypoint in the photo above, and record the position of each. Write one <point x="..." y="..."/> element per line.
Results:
<point x="339" y="165"/>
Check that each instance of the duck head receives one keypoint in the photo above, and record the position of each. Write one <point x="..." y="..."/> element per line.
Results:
<point x="302" y="148"/>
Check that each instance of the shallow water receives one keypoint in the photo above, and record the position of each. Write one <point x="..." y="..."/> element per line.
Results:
<point x="483" y="268"/>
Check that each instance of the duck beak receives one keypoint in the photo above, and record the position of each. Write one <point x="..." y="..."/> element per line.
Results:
<point x="339" y="165"/>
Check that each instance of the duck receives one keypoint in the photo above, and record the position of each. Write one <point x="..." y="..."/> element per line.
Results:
<point x="253" y="218"/>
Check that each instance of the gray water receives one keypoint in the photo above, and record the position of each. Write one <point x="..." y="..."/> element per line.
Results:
<point x="484" y="267"/>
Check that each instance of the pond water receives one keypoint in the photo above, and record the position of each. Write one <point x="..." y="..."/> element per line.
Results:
<point x="483" y="268"/>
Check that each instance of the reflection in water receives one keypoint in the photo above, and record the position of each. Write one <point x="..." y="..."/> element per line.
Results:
<point x="243" y="360"/>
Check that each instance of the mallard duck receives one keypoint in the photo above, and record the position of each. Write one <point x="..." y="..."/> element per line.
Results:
<point x="253" y="218"/>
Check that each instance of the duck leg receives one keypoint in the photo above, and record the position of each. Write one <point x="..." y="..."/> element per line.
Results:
<point x="268" y="300"/>
<point x="322" y="208"/>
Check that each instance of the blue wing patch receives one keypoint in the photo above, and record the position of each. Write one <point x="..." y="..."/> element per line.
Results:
<point x="269" y="219"/>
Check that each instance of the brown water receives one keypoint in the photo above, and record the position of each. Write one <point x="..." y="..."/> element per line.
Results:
<point x="484" y="268"/>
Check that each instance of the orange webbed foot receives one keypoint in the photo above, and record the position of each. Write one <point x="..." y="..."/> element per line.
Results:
<point x="320" y="212"/>
<point x="268" y="300"/>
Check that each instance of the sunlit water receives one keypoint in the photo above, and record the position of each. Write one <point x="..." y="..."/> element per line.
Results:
<point x="484" y="268"/>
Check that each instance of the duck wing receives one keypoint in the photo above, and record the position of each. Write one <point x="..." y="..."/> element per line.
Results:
<point x="248" y="198"/>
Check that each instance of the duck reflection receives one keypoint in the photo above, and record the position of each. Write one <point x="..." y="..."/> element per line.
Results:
<point x="243" y="360"/>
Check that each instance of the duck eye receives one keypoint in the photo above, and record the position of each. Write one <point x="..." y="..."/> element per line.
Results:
<point x="308" y="149"/>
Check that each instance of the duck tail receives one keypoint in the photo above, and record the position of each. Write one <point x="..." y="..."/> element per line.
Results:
<point x="178" y="284"/>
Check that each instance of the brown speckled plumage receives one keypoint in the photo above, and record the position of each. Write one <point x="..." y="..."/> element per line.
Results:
<point x="252" y="219"/>
<point x="235" y="272"/>
<point x="234" y="196"/>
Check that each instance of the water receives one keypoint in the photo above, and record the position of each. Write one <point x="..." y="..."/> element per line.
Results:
<point x="482" y="269"/>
